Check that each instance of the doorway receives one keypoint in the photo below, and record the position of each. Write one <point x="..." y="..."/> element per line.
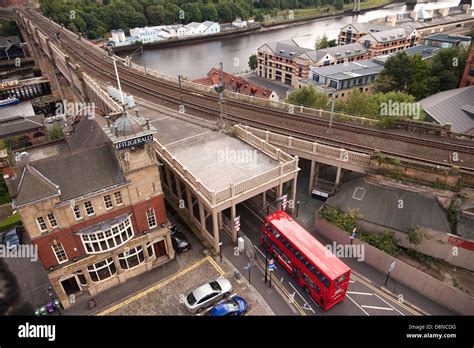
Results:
<point x="70" y="285"/>
<point x="159" y="248"/>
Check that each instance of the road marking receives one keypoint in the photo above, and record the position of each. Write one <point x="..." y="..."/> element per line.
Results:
<point x="374" y="307"/>
<point x="389" y="304"/>
<point x="312" y="310"/>
<point x="155" y="287"/>
<point x="216" y="266"/>
<point x="351" y="281"/>
<point x="282" y="288"/>
<point x="362" y="309"/>
<point x="359" y="293"/>
<point x="380" y="292"/>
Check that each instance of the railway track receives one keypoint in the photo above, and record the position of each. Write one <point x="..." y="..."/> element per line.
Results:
<point x="298" y="124"/>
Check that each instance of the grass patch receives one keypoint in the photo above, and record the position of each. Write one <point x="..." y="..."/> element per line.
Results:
<point x="10" y="221"/>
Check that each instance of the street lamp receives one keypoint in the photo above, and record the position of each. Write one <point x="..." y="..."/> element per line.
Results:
<point x="333" y="95"/>
<point x="279" y="199"/>
<point x="220" y="89"/>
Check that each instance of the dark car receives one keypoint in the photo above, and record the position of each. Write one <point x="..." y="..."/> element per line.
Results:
<point x="179" y="240"/>
<point x="233" y="306"/>
<point x="12" y="238"/>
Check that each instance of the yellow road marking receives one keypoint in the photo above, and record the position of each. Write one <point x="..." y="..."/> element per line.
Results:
<point x="298" y="307"/>
<point x="160" y="285"/>
<point x="380" y="292"/>
<point x="216" y="266"/>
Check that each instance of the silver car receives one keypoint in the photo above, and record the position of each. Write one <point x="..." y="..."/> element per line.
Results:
<point x="207" y="294"/>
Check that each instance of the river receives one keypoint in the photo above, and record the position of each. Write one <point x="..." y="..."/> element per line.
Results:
<point x="196" y="59"/>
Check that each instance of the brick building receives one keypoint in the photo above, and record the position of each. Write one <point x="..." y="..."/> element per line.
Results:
<point x="236" y="84"/>
<point x="389" y="41"/>
<point x="287" y="62"/>
<point x="353" y="32"/>
<point x="468" y="75"/>
<point x="97" y="211"/>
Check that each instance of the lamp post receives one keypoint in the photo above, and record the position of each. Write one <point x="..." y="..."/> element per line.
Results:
<point x="220" y="89"/>
<point x="279" y="199"/>
<point x="118" y="83"/>
<point x="180" y="90"/>
<point x="329" y="131"/>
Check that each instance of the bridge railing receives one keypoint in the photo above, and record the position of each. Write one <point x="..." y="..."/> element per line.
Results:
<point x="313" y="148"/>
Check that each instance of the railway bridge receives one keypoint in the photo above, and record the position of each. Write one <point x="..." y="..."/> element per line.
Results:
<point x="433" y="154"/>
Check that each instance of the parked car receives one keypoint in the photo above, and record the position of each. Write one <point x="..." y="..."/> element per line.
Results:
<point x="12" y="238"/>
<point x="179" y="240"/>
<point x="233" y="306"/>
<point x="207" y="294"/>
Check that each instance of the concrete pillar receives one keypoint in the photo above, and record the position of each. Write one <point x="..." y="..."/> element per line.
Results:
<point x="169" y="246"/>
<point x="202" y="217"/>
<point x="87" y="276"/>
<point x="293" y="193"/>
<point x="233" y="214"/>
<point x="178" y="189"/>
<point x="168" y="180"/>
<point x="311" y="176"/>
<point x="220" y="220"/>
<point x="190" y="202"/>
<point x="215" y="228"/>
<point x="338" y="175"/>
<point x="264" y="200"/>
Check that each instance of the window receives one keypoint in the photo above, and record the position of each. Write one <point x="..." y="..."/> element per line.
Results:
<point x="109" y="239"/>
<point x="59" y="252"/>
<point x="108" y="202"/>
<point x="41" y="224"/>
<point x="150" y="215"/>
<point x="118" y="198"/>
<point x="77" y="212"/>
<point x="131" y="258"/>
<point x="102" y="270"/>
<point x="89" y="208"/>
<point x="52" y="220"/>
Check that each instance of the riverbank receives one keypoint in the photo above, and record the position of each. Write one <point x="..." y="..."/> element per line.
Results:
<point x="252" y="29"/>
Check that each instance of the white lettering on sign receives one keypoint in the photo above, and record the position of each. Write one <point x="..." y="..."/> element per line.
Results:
<point x="135" y="142"/>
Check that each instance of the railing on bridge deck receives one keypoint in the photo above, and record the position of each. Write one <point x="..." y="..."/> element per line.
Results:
<point x="312" y="148"/>
<point x="287" y="165"/>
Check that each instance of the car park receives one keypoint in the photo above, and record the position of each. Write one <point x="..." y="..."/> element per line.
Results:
<point x="207" y="294"/>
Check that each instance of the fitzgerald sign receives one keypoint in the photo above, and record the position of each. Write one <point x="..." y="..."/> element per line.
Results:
<point x="135" y="142"/>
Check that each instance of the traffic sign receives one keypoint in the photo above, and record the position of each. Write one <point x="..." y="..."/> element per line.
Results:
<point x="392" y="266"/>
<point x="237" y="223"/>
<point x="284" y="202"/>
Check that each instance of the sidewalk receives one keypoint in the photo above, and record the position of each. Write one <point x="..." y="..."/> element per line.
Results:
<point x="276" y="302"/>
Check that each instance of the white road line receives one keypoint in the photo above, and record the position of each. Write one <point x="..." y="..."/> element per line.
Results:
<point x="310" y="308"/>
<point x="362" y="309"/>
<point x="389" y="304"/>
<point x="359" y="293"/>
<point x="374" y="307"/>
<point x="351" y="281"/>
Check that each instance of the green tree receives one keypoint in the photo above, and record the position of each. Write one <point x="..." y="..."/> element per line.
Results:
<point x="225" y="12"/>
<point x="448" y="66"/>
<point x="259" y="17"/>
<point x="192" y="13"/>
<point x="358" y="103"/>
<point x="253" y="62"/>
<point x="209" y="12"/>
<point x="308" y="96"/>
<point x="55" y="132"/>
<point x="324" y="42"/>
<point x="155" y="14"/>
<point x="339" y="5"/>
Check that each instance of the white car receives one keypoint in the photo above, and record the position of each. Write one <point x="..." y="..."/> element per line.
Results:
<point x="207" y="294"/>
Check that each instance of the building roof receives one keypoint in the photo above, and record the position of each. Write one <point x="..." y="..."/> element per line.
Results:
<point x="339" y="52"/>
<point x="234" y="83"/>
<point x="366" y="27"/>
<point x="7" y="41"/>
<point x="388" y="35"/>
<point x="194" y="25"/>
<point x="87" y="133"/>
<point x="24" y="108"/>
<point x="20" y="124"/>
<point x="454" y="106"/>
<point x="68" y="175"/>
<point x="287" y="49"/>
<point x="378" y="204"/>
<point x="350" y="70"/>
<point x="448" y="38"/>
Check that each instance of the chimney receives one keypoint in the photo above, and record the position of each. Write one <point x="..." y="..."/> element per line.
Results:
<point x="147" y="123"/>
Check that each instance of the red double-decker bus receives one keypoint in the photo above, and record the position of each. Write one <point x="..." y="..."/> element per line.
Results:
<point x="316" y="269"/>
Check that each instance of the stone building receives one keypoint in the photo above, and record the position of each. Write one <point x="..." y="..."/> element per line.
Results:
<point x="97" y="211"/>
